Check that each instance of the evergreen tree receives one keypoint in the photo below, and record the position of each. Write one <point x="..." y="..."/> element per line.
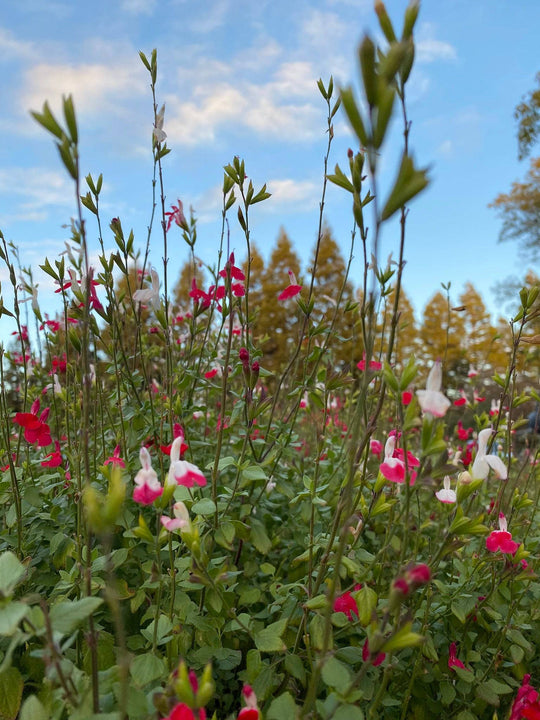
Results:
<point x="441" y="335"/>
<point x="276" y="326"/>
<point x="329" y="283"/>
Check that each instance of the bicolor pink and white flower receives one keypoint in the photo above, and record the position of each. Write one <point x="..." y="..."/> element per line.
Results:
<point x="251" y="711"/>
<point x="393" y="467"/>
<point x="501" y="539"/>
<point x="483" y="461"/>
<point x="446" y="495"/>
<point x="147" y="486"/>
<point x="149" y="294"/>
<point x="432" y="400"/>
<point x="293" y="288"/>
<point x="182" y="472"/>
<point x="180" y="521"/>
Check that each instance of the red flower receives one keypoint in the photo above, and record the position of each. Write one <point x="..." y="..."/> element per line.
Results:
<point x="230" y="270"/>
<point x="292" y="290"/>
<point x="406" y="397"/>
<point x="366" y="655"/>
<point x="115" y="458"/>
<point x="526" y="704"/>
<point x="177" y="432"/>
<point x="55" y="457"/>
<point x="209" y="374"/>
<point x="463" y="433"/>
<point x="345" y="603"/>
<point x="373" y="364"/>
<point x="453" y="661"/>
<point x="36" y="429"/>
<point x="184" y="712"/>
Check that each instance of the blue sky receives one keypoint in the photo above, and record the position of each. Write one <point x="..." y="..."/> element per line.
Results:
<point x="239" y="78"/>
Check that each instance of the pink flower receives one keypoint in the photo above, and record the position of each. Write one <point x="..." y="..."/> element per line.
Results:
<point x="472" y="372"/>
<point x="453" y="661"/>
<point x="146" y="481"/>
<point x="345" y="603"/>
<point x="115" y="458"/>
<point x="292" y="290"/>
<point x="501" y="539"/>
<point x="182" y="472"/>
<point x="431" y="399"/>
<point x="375" y="447"/>
<point x="177" y="216"/>
<point x="446" y="495"/>
<point x="366" y="655"/>
<point x="373" y="364"/>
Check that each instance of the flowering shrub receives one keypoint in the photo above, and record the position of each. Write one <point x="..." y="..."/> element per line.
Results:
<point x="188" y="535"/>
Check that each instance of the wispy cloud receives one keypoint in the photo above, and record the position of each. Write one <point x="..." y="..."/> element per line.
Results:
<point x="12" y="48"/>
<point x="213" y="15"/>
<point x="139" y="7"/>
<point x="429" y="49"/>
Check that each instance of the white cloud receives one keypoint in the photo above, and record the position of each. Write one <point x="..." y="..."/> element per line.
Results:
<point x="139" y="7"/>
<point x="96" y="88"/>
<point x="213" y="16"/>
<point x="323" y="29"/>
<point x="445" y="148"/>
<point x="13" y="49"/>
<point x="429" y="49"/>
<point x="38" y="187"/>
<point x="303" y="194"/>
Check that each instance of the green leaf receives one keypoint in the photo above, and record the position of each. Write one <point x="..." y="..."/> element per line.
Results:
<point x="66" y="616"/>
<point x="295" y="667"/>
<point x="339" y="178"/>
<point x="254" y="472"/>
<point x="11" y="571"/>
<point x="448" y="693"/>
<point x="348" y="712"/>
<point x="408" y="183"/>
<point x="336" y="675"/>
<point x="366" y="599"/>
<point x="10" y="617"/>
<point x="282" y="708"/>
<point x="402" y="638"/>
<point x="269" y="638"/>
<point x="259" y="537"/>
<point x="32" y="709"/>
<point x="485" y="692"/>
<point x="206" y="506"/>
<point x="146" y="668"/>
<point x="11" y="689"/>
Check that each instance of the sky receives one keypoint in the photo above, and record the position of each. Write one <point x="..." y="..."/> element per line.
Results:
<point x="238" y="77"/>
